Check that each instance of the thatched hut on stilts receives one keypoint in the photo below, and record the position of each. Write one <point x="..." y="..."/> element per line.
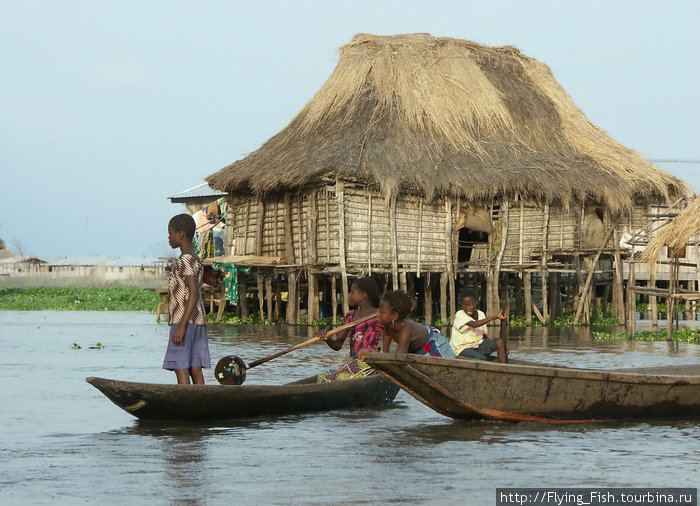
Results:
<point x="438" y="164"/>
<point x="676" y="237"/>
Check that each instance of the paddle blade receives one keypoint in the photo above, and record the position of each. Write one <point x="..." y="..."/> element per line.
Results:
<point x="230" y="370"/>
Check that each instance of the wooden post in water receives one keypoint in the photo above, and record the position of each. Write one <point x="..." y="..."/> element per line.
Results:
<point x="518" y="288"/>
<point x="450" y="258"/>
<point x="278" y="297"/>
<point x="291" y="296"/>
<point x="443" y="297"/>
<point x="632" y="300"/>
<point x="527" y="288"/>
<point x="269" y="294"/>
<point x="312" y="298"/>
<point x="394" y="246"/>
<point x="340" y="199"/>
<point x="543" y="267"/>
<point x="669" y="305"/>
<point x="261" y="299"/>
<point x="555" y="294"/>
<point x="618" y="284"/>
<point x="334" y="299"/>
<point x="243" y="297"/>
<point x="428" y="294"/>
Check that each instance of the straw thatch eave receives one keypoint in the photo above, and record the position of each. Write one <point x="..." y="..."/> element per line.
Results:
<point x="448" y="117"/>
<point x="675" y="234"/>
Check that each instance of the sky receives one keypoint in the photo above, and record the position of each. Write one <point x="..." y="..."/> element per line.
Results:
<point x="109" y="108"/>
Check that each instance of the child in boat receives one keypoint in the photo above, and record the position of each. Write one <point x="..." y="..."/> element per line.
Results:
<point x="188" y="346"/>
<point x="469" y="339"/>
<point x="364" y="336"/>
<point x="411" y="336"/>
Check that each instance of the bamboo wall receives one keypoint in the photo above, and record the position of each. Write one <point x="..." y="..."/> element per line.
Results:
<point x="347" y="229"/>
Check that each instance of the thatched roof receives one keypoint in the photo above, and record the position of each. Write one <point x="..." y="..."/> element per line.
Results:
<point x="676" y="233"/>
<point x="448" y="116"/>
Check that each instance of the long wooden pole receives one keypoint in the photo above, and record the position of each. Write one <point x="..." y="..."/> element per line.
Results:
<point x="589" y="278"/>
<point x="394" y="246"/>
<point x="340" y="194"/>
<point x="543" y="267"/>
<point x="527" y="288"/>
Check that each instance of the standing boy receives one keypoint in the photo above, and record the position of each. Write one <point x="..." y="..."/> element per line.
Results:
<point x="469" y="337"/>
<point x="188" y="346"/>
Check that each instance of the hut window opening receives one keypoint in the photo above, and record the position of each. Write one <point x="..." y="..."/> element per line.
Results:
<point x="474" y="226"/>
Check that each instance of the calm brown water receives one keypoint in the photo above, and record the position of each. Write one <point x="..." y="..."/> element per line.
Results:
<point x="65" y="443"/>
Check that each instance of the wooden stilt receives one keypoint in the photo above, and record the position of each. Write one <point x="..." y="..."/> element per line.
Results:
<point x="261" y="296"/>
<point x="334" y="299"/>
<point x="451" y="242"/>
<point x="554" y="294"/>
<point x="443" y="297"/>
<point x="394" y="246"/>
<point x="606" y="300"/>
<point x="527" y="293"/>
<point x="670" y="309"/>
<point x="518" y="287"/>
<point x="311" y="298"/>
<point x="243" y="297"/>
<point x="297" y="299"/>
<point x="653" y="305"/>
<point x="505" y="295"/>
<point x="545" y="293"/>
<point x="632" y="300"/>
<point x="291" y="296"/>
<point x="269" y="294"/>
<point x="340" y="199"/>
<point x="618" y="285"/>
<point x="428" y="294"/>
<point x="222" y="302"/>
<point x="278" y="297"/>
<point x="543" y="267"/>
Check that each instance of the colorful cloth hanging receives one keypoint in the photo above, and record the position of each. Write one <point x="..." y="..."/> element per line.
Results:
<point x="231" y="279"/>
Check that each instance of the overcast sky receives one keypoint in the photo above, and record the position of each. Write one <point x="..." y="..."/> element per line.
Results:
<point x="107" y="108"/>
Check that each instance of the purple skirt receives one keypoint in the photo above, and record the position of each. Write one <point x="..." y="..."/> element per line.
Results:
<point x="193" y="351"/>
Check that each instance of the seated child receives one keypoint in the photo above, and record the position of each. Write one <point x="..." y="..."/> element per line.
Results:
<point x="411" y="337"/>
<point x="469" y="337"/>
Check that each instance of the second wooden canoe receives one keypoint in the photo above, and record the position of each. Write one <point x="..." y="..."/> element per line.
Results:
<point x="473" y="389"/>
<point x="149" y="401"/>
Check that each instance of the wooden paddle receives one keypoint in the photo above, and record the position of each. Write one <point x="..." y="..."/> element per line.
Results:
<point x="231" y="370"/>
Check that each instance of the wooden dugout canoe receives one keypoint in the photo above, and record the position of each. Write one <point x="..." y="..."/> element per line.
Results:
<point x="473" y="389"/>
<point x="150" y="401"/>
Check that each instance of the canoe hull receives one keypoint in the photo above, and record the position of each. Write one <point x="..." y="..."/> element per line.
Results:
<point x="148" y="401"/>
<point x="470" y="389"/>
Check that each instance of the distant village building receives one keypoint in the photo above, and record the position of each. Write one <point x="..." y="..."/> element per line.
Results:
<point x="84" y="270"/>
<point x="437" y="164"/>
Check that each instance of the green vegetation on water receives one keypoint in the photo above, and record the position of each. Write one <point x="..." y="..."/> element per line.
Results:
<point x="138" y="299"/>
<point x="677" y="336"/>
<point x="78" y="299"/>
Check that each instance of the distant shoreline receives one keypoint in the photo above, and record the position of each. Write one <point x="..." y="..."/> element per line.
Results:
<point x="133" y="298"/>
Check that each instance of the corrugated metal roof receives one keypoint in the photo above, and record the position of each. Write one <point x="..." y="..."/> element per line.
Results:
<point x="199" y="191"/>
